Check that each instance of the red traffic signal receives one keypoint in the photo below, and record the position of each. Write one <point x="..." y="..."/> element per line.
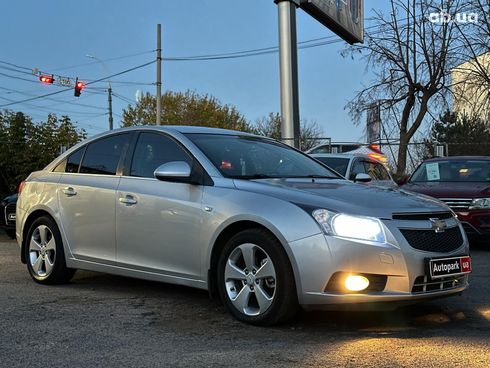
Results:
<point x="79" y="85"/>
<point x="46" y="79"/>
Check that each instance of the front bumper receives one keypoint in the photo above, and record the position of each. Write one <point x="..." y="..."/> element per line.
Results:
<point x="476" y="223"/>
<point x="318" y="258"/>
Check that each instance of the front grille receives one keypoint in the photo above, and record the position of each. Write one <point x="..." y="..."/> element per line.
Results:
<point x="422" y="284"/>
<point x="457" y="203"/>
<point x="430" y="241"/>
<point x="9" y="210"/>
<point x="422" y="216"/>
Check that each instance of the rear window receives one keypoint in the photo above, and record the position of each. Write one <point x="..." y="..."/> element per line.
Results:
<point x="336" y="163"/>
<point x="102" y="157"/>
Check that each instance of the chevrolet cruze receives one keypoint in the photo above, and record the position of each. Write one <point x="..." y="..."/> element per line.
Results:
<point x="262" y="226"/>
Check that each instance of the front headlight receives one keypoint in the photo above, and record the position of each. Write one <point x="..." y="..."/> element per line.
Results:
<point x="480" y="203"/>
<point x="352" y="227"/>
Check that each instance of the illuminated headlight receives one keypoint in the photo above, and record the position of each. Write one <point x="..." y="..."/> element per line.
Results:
<point x="352" y="227"/>
<point x="480" y="203"/>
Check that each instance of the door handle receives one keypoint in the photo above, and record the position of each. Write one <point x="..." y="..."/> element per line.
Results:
<point x="128" y="200"/>
<point x="69" y="192"/>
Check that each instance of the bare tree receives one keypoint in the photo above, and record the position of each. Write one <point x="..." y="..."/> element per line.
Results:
<point x="270" y="126"/>
<point x="411" y="53"/>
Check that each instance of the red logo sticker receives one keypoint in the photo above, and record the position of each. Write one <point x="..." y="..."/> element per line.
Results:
<point x="465" y="264"/>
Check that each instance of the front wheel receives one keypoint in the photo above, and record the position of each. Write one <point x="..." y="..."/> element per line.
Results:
<point x="44" y="253"/>
<point x="255" y="279"/>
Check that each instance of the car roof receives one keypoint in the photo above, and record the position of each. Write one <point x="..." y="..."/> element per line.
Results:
<point x="458" y="158"/>
<point x="184" y="129"/>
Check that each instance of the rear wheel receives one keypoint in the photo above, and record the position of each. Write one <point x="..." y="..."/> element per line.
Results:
<point x="44" y="253"/>
<point x="255" y="279"/>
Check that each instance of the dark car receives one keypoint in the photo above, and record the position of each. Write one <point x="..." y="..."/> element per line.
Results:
<point x="7" y="215"/>
<point x="463" y="183"/>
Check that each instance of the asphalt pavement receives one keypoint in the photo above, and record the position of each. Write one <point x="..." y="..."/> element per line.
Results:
<point x="99" y="320"/>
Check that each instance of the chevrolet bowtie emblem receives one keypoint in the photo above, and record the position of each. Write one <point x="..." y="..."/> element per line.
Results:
<point x="439" y="226"/>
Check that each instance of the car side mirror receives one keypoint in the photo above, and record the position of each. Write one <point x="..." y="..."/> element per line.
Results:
<point x="177" y="171"/>
<point x="362" y="178"/>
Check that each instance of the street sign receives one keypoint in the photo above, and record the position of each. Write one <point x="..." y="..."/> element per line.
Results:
<point x="343" y="17"/>
<point x="373" y="123"/>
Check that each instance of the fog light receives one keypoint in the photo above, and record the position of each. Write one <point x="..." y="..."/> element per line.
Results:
<point x="356" y="283"/>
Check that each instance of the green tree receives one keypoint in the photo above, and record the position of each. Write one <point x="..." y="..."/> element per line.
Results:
<point x="185" y="108"/>
<point x="28" y="146"/>
<point x="463" y="134"/>
<point x="270" y="126"/>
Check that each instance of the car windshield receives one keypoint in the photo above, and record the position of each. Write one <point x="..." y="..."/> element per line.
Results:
<point x="336" y="163"/>
<point x="453" y="171"/>
<point x="248" y="157"/>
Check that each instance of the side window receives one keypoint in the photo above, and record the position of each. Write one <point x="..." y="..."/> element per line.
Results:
<point x="73" y="161"/>
<point x="357" y="168"/>
<point x="102" y="157"/>
<point x="153" y="150"/>
<point x="382" y="172"/>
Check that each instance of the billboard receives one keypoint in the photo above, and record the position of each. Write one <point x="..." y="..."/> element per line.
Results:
<point x="344" y="17"/>
<point x="373" y="123"/>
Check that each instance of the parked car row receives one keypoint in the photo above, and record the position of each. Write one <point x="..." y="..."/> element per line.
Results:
<point x="259" y="224"/>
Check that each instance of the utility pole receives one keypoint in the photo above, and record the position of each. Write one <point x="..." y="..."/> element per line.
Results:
<point x="159" y="74"/>
<point x="288" y="60"/>
<point x="109" y="99"/>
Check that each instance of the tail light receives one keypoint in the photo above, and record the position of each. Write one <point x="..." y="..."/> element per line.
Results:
<point x="21" y="187"/>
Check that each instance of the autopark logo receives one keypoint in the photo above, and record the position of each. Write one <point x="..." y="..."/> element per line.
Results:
<point x="443" y="17"/>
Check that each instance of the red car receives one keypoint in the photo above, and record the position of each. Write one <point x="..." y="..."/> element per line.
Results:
<point x="463" y="183"/>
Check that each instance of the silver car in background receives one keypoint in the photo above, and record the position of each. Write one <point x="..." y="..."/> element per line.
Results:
<point x="260" y="225"/>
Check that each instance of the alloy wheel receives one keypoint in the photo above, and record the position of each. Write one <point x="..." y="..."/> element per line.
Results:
<point x="42" y="251"/>
<point x="250" y="279"/>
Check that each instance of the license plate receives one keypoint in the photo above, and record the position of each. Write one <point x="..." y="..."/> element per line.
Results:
<point x="453" y="266"/>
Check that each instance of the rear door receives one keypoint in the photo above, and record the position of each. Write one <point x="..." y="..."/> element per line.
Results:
<point x="87" y="195"/>
<point x="158" y="223"/>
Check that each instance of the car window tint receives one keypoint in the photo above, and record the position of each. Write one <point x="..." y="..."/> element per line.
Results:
<point x="102" y="156"/>
<point x="357" y="168"/>
<point x="381" y="172"/>
<point x="336" y="163"/>
<point x="73" y="161"/>
<point x="153" y="150"/>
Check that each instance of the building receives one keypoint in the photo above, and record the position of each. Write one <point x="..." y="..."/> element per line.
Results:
<point x="470" y="87"/>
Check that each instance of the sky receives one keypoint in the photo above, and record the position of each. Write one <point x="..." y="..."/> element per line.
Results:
<point x="55" y="36"/>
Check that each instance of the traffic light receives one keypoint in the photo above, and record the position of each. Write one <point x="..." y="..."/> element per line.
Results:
<point x="79" y="85"/>
<point x="46" y="79"/>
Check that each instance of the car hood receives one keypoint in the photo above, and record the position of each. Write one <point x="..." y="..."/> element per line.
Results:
<point x="343" y="196"/>
<point x="450" y="190"/>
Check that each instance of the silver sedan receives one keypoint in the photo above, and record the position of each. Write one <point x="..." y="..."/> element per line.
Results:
<point x="263" y="227"/>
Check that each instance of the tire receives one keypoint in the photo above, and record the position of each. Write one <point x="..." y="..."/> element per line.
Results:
<point x="10" y="233"/>
<point x="44" y="253"/>
<point x="265" y="294"/>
